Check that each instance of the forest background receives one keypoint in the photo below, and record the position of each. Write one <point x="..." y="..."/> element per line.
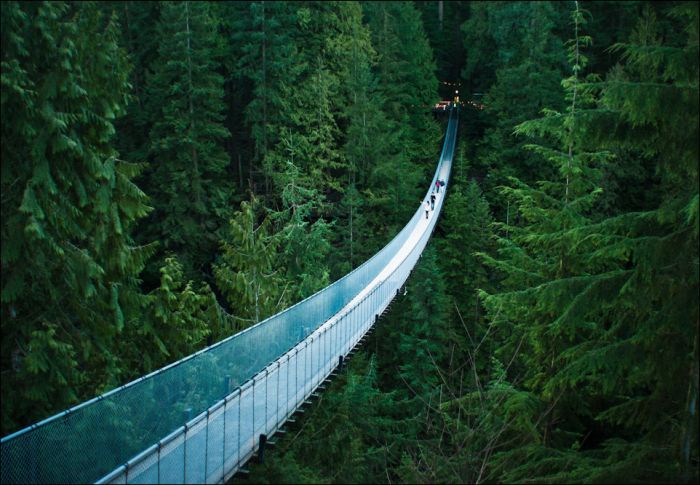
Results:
<point x="175" y="172"/>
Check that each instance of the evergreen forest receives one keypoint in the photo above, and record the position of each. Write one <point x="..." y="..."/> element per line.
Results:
<point x="176" y="172"/>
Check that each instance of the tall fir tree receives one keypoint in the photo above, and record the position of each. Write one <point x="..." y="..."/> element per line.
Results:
<point x="262" y="53"/>
<point x="69" y="266"/>
<point x="593" y="304"/>
<point x="407" y="83"/>
<point x="442" y="21"/>
<point x="308" y="129"/>
<point x="466" y="223"/>
<point x="517" y="50"/>
<point x="367" y="137"/>
<point x="248" y="272"/>
<point x="188" y="179"/>
<point x="177" y="320"/>
<point x="139" y="22"/>
<point x="356" y="434"/>
<point x="304" y="245"/>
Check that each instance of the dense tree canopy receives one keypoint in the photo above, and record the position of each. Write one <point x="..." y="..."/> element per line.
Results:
<point x="175" y="172"/>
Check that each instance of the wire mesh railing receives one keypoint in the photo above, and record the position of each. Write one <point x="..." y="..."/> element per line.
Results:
<point x="226" y="395"/>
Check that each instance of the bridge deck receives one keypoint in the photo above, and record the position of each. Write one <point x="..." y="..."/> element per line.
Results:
<point x="302" y="346"/>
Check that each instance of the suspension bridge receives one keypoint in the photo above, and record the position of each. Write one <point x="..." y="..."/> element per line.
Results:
<point x="200" y="420"/>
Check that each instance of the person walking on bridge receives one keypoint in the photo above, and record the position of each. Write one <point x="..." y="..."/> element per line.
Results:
<point x="437" y="186"/>
<point x="432" y="201"/>
<point x="427" y="208"/>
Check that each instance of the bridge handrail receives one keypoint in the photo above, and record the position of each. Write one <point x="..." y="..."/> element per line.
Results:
<point x="66" y="420"/>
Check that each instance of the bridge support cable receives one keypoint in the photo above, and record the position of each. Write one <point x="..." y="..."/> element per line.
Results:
<point x="237" y="390"/>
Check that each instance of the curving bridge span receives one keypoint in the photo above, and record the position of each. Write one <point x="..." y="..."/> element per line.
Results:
<point x="199" y="420"/>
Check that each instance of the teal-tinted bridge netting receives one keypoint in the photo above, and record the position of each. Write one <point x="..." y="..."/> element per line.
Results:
<point x="199" y="419"/>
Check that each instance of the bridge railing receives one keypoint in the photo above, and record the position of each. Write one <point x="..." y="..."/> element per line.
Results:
<point x="216" y="443"/>
<point x="243" y="387"/>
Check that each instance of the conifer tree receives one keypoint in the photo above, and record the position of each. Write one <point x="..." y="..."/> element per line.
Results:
<point x="368" y="134"/>
<point x="419" y="361"/>
<point x="279" y="46"/>
<point x="69" y="267"/>
<point x="652" y="111"/>
<point x="304" y="245"/>
<point x="176" y="321"/>
<point x="480" y="65"/>
<point x="405" y="60"/>
<point x="466" y="222"/>
<point x="357" y="433"/>
<point x="248" y="272"/>
<point x="519" y="43"/>
<point x="595" y="302"/>
<point x="262" y="53"/>
<point x="307" y="131"/>
<point x="407" y="83"/>
<point x="188" y="179"/>
<point x="423" y="338"/>
<point x="139" y="21"/>
<point x="442" y="22"/>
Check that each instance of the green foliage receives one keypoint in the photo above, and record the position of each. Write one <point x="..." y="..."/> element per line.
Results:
<point x="247" y="272"/>
<point x="176" y="321"/>
<point x="266" y="61"/>
<point x="353" y="435"/>
<point x="304" y="246"/>
<point x="445" y="37"/>
<point x="69" y="266"/>
<point x="408" y="137"/>
<point x="592" y="308"/>
<point x="466" y="227"/>
<point x="376" y="419"/>
<point x="406" y="73"/>
<point x="584" y="366"/>
<point x="466" y="222"/>
<point x="367" y="136"/>
<point x="517" y="46"/>
<point x="139" y="37"/>
<point x="421" y="336"/>
<point x="480" y="65"/>
<point x="187" y="179"/>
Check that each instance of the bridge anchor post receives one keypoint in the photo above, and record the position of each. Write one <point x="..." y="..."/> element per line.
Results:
<point x="262" y="439"/>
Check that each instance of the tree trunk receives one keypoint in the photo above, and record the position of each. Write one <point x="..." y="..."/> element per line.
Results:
<point x="264" y="82"/>
<point x="196" y="184"/>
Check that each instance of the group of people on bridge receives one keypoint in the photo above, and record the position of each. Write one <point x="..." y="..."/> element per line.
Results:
<point x="430" y="206"/>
